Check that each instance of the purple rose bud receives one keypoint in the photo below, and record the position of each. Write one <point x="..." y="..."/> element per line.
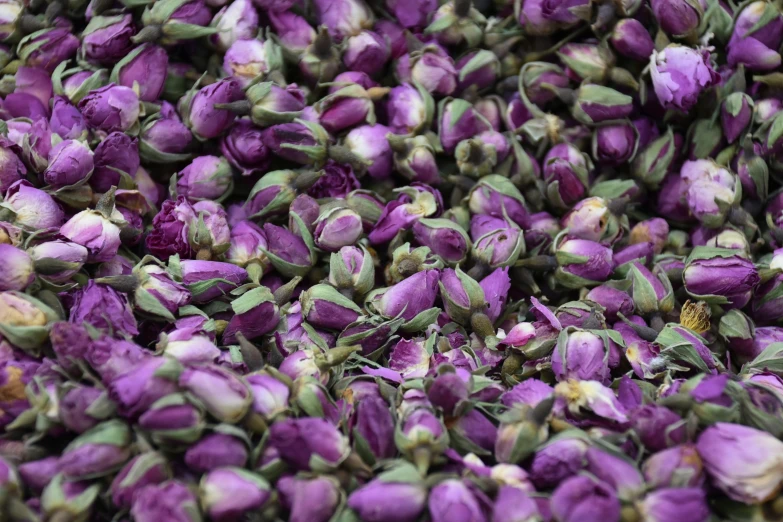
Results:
<point x="584" y="498"/>
<point x="707" y="183"/>
<point x="453" y="500"/>
<point x="531" y="17"/>
<point x="104" y="308"/>
<point x="172" y="420"/>
<point x="457" y="121"/>
<point x="272" y="104"/>
<point x="111" y="358"/>
<point x="164" y="138"/>
<point x="207" y="177"/>
<point x="343" y="18"/>
<point x="444" y="237"/>
<point x="680" y="74"/>
<point x="145" y="66"/>
<point x="223" y="276"/>
<point x="293" y="31"/>
<point x="448" y="391"/>
<point x="224" y="394"/>
<point x="388" y="501"/>
<point x="665" y="504"/>
<point x="756" y="38"/>
<point x="324" y="307"/>
<point x="244" y="148"/>
<point x="409" y="358"/>
<point x="285" y="140"/>
<point x="514" y="505"/>
<point x="614" y="144"/>
<point x="631" y="39"/>
<point x="677" y="17"/>
<point x="731" y="278"/>
<point x="301" y="440"/>
<point x="270" y="396"/>
<point x="374" y="424"/>
<point x="369" y="144"/>
<point x="200" y="114"/>
<point x="171" y="500"/>
<point x="409" y="109"/>
<point x="228" y="493"/>
<point x="566" y="171"/>
<point x="736" y="113"/>
<point x="248" y="247"/>
<point x="496" y="196"/>
<point x="337" y="228"/>
<point x="48" y="48"/>
<point x="679" y="466"/>
<point x="557" y="461"/>
<point x="216" y="450"/>
<point x="759" y="478"/>
<point x="409" y="297"/>
<point x="117" y="152"/>
<point x="580" y="355"/>
<point x="98" y="452"/>
<point x="596" y="104"/>
<point x="583" y="262"/>
<point x="150" y="468"/>
<point x="11" y="167"/>
<point x="249" y="58"/>
<point x="309" y="500"/>
<point x="767" y="304"/>
<point x="16" y="268"/>
<point x="83" y="407"/>
<point x="189" y="345"/>
<point x="135" y="390"/>
<point x="238" y="21"/>
<point x="111" y="108"/>
<point x="496" y="243"/>
<point x="72" y="498"/>
<point x="107" y="39"/>
<point x="366" y="52"/>
<point x="613" y="301"/>
<point x="37" y="474"/>
<point x="70" y="162"/>
<point x="412" y="14"/>
<point x="337" y="181"/>
<point x="478" y="70"/>
<point x="288" y="253"/>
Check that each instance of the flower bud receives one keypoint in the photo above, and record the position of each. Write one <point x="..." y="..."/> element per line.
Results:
<point x="711" y="191"/>
<point x="759" y="478"/>
<point x="444" y="238"/>
<point x="580" y="354"/>
<point x="566" y="171"/>
<point x="248" y="59"/>
<point x="104" y="308"/>
<point x="680" y="74"/>
<point x="582" y="263"/>
<point x="678" y="466"/>
<point x="47" y="48"/>
<point x="615" y="144"/>
<point x="631" y="39"/>
<point x="556" y="461"/>
<point x="410" y="108"/>
<point x="736" y="115"/>
<point x="237" y="21"/>
<point x="677" y="17"/>
<point x="309" y="443"/>
<point x="457" y="121"/>
<point x="111" y="108"/>
<point x="227" y="493"/>
<point x="731" y="279"/>
<point x="414" y="158"/>
<point x="366" y="52"/>
<point x="591" y="398"/>
<point x="369" y="144"/>
<point x="409" y="297"/>
<point x="290" y="254"/>
<point x="686" y="502"/>
<point x="97" y="452"/>
<point x="351" y="270"/>
<point x="224" y="394"/>
<point x="107" y="39"/>
<point x="755" y="39"/>
<point x="172" y="420"/>
<point x="272" y="104"/>
<point x="521" y="430"/>
<point x="270" y="396"/>
<point x="651" y="292"/>
<point x="83" y="407"/>
<point x="164" y="138"/>
<point x="137" y="388"/>
<point x="199" y="111"/>
<point x="324" y="307"/>
<point x="309" y="499"/>
<point x="70" y="162"/>
<point x="451" y="495"/>
<point x="207" y="177"/>
<point x="582" y="496"/>
<point x="216" y="450"/>
<point x="73" y="499"/>
<point x="36" y="474"/>
<point x="496" y="196"/>
<point x="383" y="500"/>
<point x="171" y="500"/>
<point x="150" y="468"/>
<point x="16" y="268"/>
<point x="337" y="228"/>
<point x="496" y="243"/>
<point x="596" y="104"/>
<point x="420" y="436"/>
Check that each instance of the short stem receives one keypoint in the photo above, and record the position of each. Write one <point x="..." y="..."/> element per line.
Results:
<point x="204" y="254"/>
<point x="240" y="108"/>
<point x="541" y="263"/>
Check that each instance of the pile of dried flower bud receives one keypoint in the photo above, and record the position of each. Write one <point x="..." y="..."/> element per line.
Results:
<point x="391" y="261"/>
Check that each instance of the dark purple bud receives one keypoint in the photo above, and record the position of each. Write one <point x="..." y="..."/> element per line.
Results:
<point x="48" y="48"/>
<point x="309" y="499"/>
<point x="165" y="137"/>
<point x="631" y="39"/>
<point x="679" y="466"/>
<point x="457" y="121"/>
<point x="224" y="276"/>
<point x="496" y="195"/>
<point x="111" y="108"/>
<point x="557" y="461"/>
<point x="324" y="307"/>
<point x="452" y="500"/>
<point x="337" y="181"/>
<point x="104" y="308"/>
<point x="288" y="252"/>
<point x="736" y="114"/>
<point x="343" y="18"/>
<point x="677" y="17"/>
<point x="116" y="152"/>
<point x="583" y="262"/>
<point x="37" y="474"/>
<point x="172" y="500"/>
<point x="582" y="498"/>
<point x="720" y="276"/>
<point x="299" y="440"/>
<point x="373" y="422"/>
<point x="207" y="177"/>
<point x="149" y="468"/>
<point x="381" y="501"/>
<point x="614" y="144"/>
<point x="767" y="304"/>
<point x="612" y="300"/>
<point x="214" y="451"/>
<point x="98" y="452"/>
<point x="107" y="39"/>
<point x="83" y="407"/>
<point x="224" y="394"/>
<point x="200" y="114"/>
<point x="145" y="67"/>
<point x="566" y="171"/>
<point x="658" y="427"/>
<point x="293" y="31"/>
<point x="663" y="504"/>
<point x="366" y="52"/>
<point x="66" y="120"/>
<point x="135" y="390"/>
<point x="70" y="162"/>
